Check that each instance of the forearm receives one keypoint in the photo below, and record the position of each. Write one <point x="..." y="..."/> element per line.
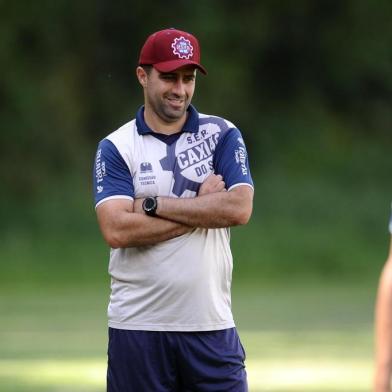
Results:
<point x="384" y="331"/>
<point x="213" y="210"/>
<point x="121" y="227"/>
<point x="146" y="230"/>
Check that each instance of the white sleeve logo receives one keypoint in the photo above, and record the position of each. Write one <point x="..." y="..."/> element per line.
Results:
<point x="240" y="158"/>
<point x="100" y="170"/>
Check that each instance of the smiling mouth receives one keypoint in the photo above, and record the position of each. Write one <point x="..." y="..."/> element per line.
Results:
<point x="175" y="101"/>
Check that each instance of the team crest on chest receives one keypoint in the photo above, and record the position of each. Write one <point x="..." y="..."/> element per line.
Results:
<point x="182" y="48"/>
<point x="146" y="177"/>
<point x="145" y="167"/>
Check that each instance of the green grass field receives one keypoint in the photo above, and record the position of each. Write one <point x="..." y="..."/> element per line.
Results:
<point x="299" y="338"/>
<point x="305" y="277"/>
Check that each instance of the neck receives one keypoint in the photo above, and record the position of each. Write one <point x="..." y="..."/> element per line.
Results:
<point x="159" y="125"/>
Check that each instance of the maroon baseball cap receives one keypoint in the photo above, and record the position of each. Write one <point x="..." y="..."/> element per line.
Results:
<point x="170" y="49"/>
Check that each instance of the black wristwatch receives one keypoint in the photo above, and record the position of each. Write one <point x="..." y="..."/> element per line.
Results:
<point x="150" y="205"/>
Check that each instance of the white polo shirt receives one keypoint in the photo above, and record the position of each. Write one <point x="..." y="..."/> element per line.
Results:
<point x="182" y="284"/>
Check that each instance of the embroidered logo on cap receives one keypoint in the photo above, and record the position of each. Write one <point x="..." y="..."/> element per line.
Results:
<point x="182" y="48"/>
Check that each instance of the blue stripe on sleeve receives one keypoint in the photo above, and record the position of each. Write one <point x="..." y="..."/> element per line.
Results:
<point x="111" y="173"/>
<point x="231" y="159"/>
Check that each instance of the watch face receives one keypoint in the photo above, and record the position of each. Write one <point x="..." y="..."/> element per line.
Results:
<point x="149" y="203"/>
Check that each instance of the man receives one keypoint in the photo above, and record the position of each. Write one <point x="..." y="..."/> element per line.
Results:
<point x="168" y="185"/>
<point x="382" y="380"/>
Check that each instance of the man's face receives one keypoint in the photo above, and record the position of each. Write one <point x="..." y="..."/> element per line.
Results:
<point x="168" y="95"/>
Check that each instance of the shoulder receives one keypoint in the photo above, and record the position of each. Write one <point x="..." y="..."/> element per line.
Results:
<point x="118" y="144"/>
<point x="123" y="134"/>
<point x="209" y="119"/>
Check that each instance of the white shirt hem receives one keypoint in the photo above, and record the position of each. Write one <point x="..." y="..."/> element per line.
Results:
<point x="172" y="328"/>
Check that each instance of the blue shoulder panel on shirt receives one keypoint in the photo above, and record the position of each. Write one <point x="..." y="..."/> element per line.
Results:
<point x="231" y="159"/>
<point x="111" y="173"/>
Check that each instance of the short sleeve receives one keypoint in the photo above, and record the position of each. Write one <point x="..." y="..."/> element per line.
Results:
<point x="231" y="159"/>
<point x="111" y="177"/>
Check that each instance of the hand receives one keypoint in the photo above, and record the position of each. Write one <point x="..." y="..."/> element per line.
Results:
<point x="212" y="184"/>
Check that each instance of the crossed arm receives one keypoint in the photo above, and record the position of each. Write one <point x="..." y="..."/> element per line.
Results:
<point x="383" y="326"/>
<point x="124" y="224"/>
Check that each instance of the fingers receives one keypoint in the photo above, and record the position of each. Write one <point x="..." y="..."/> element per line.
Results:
<point x="212" y="184"/>
<point x="214" y="178"/>
<point x="220" y="185"/>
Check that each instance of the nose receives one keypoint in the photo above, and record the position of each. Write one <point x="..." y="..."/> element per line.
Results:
<point x="179" y="87"/>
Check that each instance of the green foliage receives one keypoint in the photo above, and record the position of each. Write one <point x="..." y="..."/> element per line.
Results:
<point x="318" y="218"/>
<point x="309" y="84"/>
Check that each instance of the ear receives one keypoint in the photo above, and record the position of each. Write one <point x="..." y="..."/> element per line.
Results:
<point x="141" y="76"/>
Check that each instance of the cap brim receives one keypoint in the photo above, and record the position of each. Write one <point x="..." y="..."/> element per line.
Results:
<point x="173" y="65"/>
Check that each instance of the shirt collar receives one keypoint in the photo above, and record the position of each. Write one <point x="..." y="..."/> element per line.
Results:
<point x="191" y="123"/>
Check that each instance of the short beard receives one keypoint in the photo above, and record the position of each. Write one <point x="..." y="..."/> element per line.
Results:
<point x="166" y="114"/>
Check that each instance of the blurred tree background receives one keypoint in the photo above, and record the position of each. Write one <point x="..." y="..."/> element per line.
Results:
<point x="309" y="83"/>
